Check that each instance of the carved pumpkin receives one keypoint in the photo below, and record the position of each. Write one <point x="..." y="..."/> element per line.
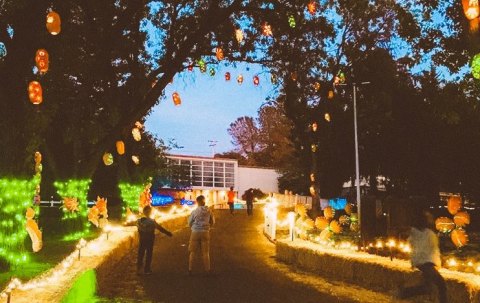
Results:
<point x="321" y="222"/>
<point x="35" y="92"/>
<point x="454" y="204"/>
<point x="42" y="60"/>
<point x="54" y="23"/>
<point x="444" y="224"/>
<point x="120" y="147"/>
<point x="459" y="237"/>
<point x="329" y="212"/>
<point x="461" y="218"/>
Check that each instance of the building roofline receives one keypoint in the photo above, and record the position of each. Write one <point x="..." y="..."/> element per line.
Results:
<point x="202" y="157"/>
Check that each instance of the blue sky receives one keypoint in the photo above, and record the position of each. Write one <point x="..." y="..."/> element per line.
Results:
<point x="209" y="105"/>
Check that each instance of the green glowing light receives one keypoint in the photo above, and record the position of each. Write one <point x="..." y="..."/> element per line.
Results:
<point x="83" y="290"/>
<point x="476" y="66"/>
<point x="130" y="194"/>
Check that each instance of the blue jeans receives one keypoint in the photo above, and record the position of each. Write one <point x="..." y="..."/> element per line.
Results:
<point x="430" y="276"/>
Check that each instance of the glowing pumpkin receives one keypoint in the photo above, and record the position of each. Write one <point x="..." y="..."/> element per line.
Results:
<point x="42" y="60"/>
<point x="137" y="136"/>
<point x="471" y="9"/>
<point x="107" y="159"/>
<point x="329" y="212"/>
<point x="120" y="147"/>
<point x="54" y="23"/>
<point x="459" y="237"/>
<point x="227" y="76"/>
<point x="335" y="227"/>
<point x="454" y="204"/>
<point x="240" y="79"/>
<point x="461" y="219"/>
<point x="256" y="81"/>
<point x="35" y="92"/>
<point x="444" y="224"/>
<point x="312" y="7"/>
<point x="321" y="222"/>
<point x="176" y="99"/>
<point x="219" y="54"/>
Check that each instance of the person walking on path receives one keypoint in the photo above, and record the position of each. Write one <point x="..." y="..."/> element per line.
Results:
<point x="200" y="221"/>
<point x="249" y="199"/>
<point x="146" y="233"/>
<point x="231" y="199"/>
<point x="426" y="257"/>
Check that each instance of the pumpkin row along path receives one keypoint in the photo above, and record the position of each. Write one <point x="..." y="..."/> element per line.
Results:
<point x="244" y="270"/>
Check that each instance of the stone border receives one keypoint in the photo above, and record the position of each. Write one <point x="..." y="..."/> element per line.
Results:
<point x="101" y="254"/>
<point x="371" y="271"/>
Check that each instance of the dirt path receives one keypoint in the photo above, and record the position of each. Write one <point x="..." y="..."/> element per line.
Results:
<point x="245" y="270"/>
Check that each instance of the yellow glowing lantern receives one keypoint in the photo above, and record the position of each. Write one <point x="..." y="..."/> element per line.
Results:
<point x="240" y="79"/>
<point x="461" y="219"/>
<point x="327" y="117"/>
<point x="314" y="148"/>
<point x="316" y="86"/>
<point x="335" y="227"/>
<point x="312" y="177"/>
<point x="42" y="60"/>
<point x="330" y="94"/>
<point x="176" y="99"/>
<point x="239" y="35"/>
<point x="35" y="92"/>
<point x="329" y="212"/>
<point x="454" y="204"/>
<point x="444" y="224"/>
<point x="38" y="158"/>
<point x="138" y="125"/>
<point x="459" y="237"/>
<point x="294" y="76"/>
<point x="120" y="147"/>
<point x="314" y="126"/>
<point x="53" y="23"/>
<point x="219" y="54"/>
<point x="266" y="29"/>
<point x="471" y="9"/>
<point x="136" y="160"/>
<point x="137" y="136"/>
<point x="107" y="159"/>
<point x="256" y="80"/>
<point x="321" y="222"/>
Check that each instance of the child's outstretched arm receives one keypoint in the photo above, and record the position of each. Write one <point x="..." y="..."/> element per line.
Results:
<point x="163" y="230"/>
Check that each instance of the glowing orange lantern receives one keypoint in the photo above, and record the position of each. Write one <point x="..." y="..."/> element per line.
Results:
<point x="459" y="237"/>
<point x="35" y="92"/>
<point x="312" y="7"/>
<point x="38" y="158"/>
<point x="471" y="9"/>
<point x="107" y="159"/>
<point x="54" y="23"/>
<point x="330" y="94"/>
<point x="137" y="136"/>
<point x="454" y="204"/>
<point x="240" y="79"/>
<point x="41" y="60"/>
<point x="444" y="224"/>
<point x="266" y="29"/>
<point x="461" y="219"/>
<point x="316" y="86"/>
<point x="312" y="177"/>
<point x="227" y="76"/>
<point x="256" y="80"/>
<point x="329" y="212"/>
<point x="335" y="227"/>
<point x="120" y="147"/>
<point x="219" y="53"/>
<point x="327" y="117"/>
<point x="176" y="99"/>
<point x="314" y="126"/>
<point x="136" y="160"/>
<point x="321" y="222"/>
<point x="293" y="76"/>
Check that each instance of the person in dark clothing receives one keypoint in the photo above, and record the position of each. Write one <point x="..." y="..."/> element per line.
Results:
<point x="249" y="199"/>
<point x="146" y="233"/>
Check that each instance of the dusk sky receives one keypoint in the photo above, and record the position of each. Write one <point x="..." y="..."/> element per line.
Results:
<point x="209" y="105"/>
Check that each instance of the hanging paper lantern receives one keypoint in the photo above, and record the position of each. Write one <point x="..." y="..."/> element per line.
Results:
<point x="41" y="60"/>
<point x="293" y="76"/>
<point x="316" y="86"/>
<point x="475" y="66"/>
<point x="256" y="80"/>
<point x="314" y="148"/>
<point x="312" y="177"/>
<point x="291" y="21"/>
<point x="327" y="117"/>
<point x="35" y="92"/>
<point x="176" y="99"/>
<point x="330" y="94"/>
<point x="212" y="71"/>
<point x="219" y="53"/>
<point x="239" y="35"/>
<point x="321" y="222"/>
<point x="459" y="237"/>
<point x="136" y="160"/>
<point x="444" y="224"/>
<point x="266" y="29"/>
<point x="227" y="76"/>
<point x="138" y="125"/>
<point x="454" y="204"/>
<point x="314" y="126"/>
<point x="471" y="9"/>
<point x="3" y="50"/>
<point x="120" y="147"/>
<point x="312" y="7"/>
<point x="329" y="212"/>
<point x="107" y="159"/>
<point x="344" y="220"/>
<point x="137" y="136"/>
<point x="202" y="65"/>
<point x="461" y="219"/>
<point x="335" y="227"/>
<point x="53" y="23"/>
<point x="240" y="79"/>
<point x="273" y="79"/>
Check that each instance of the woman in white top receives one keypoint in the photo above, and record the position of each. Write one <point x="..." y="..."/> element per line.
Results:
<point x="426" y="257"/>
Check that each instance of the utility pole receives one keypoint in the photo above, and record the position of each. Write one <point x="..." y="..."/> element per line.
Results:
<point x="212" y="144"/>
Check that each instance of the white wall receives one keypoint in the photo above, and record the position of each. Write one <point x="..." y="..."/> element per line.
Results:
<point x="265" y="179"/>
